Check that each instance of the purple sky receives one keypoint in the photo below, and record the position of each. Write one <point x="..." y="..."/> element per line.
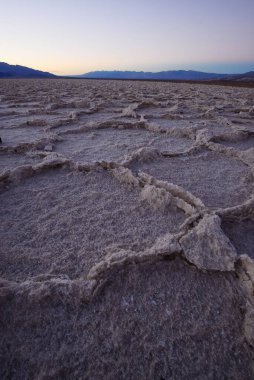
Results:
<point x="73" y="37"/>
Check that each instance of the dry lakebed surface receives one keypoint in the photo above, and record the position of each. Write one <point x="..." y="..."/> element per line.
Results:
<point x="127" y="230"/>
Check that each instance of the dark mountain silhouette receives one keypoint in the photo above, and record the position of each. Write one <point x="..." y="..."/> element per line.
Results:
<point x="163" y="75"/>
<point x="16" y="71"/>
<point x="246" y="77"/>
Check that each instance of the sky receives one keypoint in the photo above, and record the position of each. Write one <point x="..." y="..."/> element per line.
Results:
<point x="78" y="36"/>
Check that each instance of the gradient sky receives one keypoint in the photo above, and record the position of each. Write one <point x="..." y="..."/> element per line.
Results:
<point x="76" y="36"/>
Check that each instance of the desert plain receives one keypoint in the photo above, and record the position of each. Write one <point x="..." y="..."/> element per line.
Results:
<point x="127" y="230"/>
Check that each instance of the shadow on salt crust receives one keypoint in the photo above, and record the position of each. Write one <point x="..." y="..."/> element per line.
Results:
<point x="241" y="234"/>
<point x="63" y="223"/>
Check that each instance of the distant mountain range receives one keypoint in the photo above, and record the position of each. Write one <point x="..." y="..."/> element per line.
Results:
<point x="16" y="71"/>
<point x="249" y="76"/>
<point x="162" y="75"/>
<point x="167" y="75"/>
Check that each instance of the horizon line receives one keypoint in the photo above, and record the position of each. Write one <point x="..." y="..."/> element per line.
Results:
<point x="180" y="68"/>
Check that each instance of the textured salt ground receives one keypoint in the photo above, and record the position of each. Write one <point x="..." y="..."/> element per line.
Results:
<point x="14" y="116"/>
<point x="28" y="103"/>
<point x="15" y="136"/>
<point x="241" y="145"/>
<point x="113" y="144"/>
<point x="13" y="160"/>
<point x="18" y="119"/>
<point x="63" y="126"/>
<point x="161" y="321"/>
<point x="15" y="112"/>
<point x="150" y="112"/>
<point x="63" y="223"/>
<point x="170" y="113"/>
<point x="213" y="128"/>
<point x="249" y="126"/>
<point x="99" y="116"/>
<point x="218" y="180"/>
<point x="169" y="124"/>
<point x="154" y="321"/>
<point x="241" y="234"/>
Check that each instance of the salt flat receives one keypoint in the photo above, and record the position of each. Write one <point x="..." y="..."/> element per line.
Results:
<point x="127" y="224"/>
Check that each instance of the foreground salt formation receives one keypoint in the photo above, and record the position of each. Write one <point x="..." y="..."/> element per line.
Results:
<point x="127" y="230"/>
